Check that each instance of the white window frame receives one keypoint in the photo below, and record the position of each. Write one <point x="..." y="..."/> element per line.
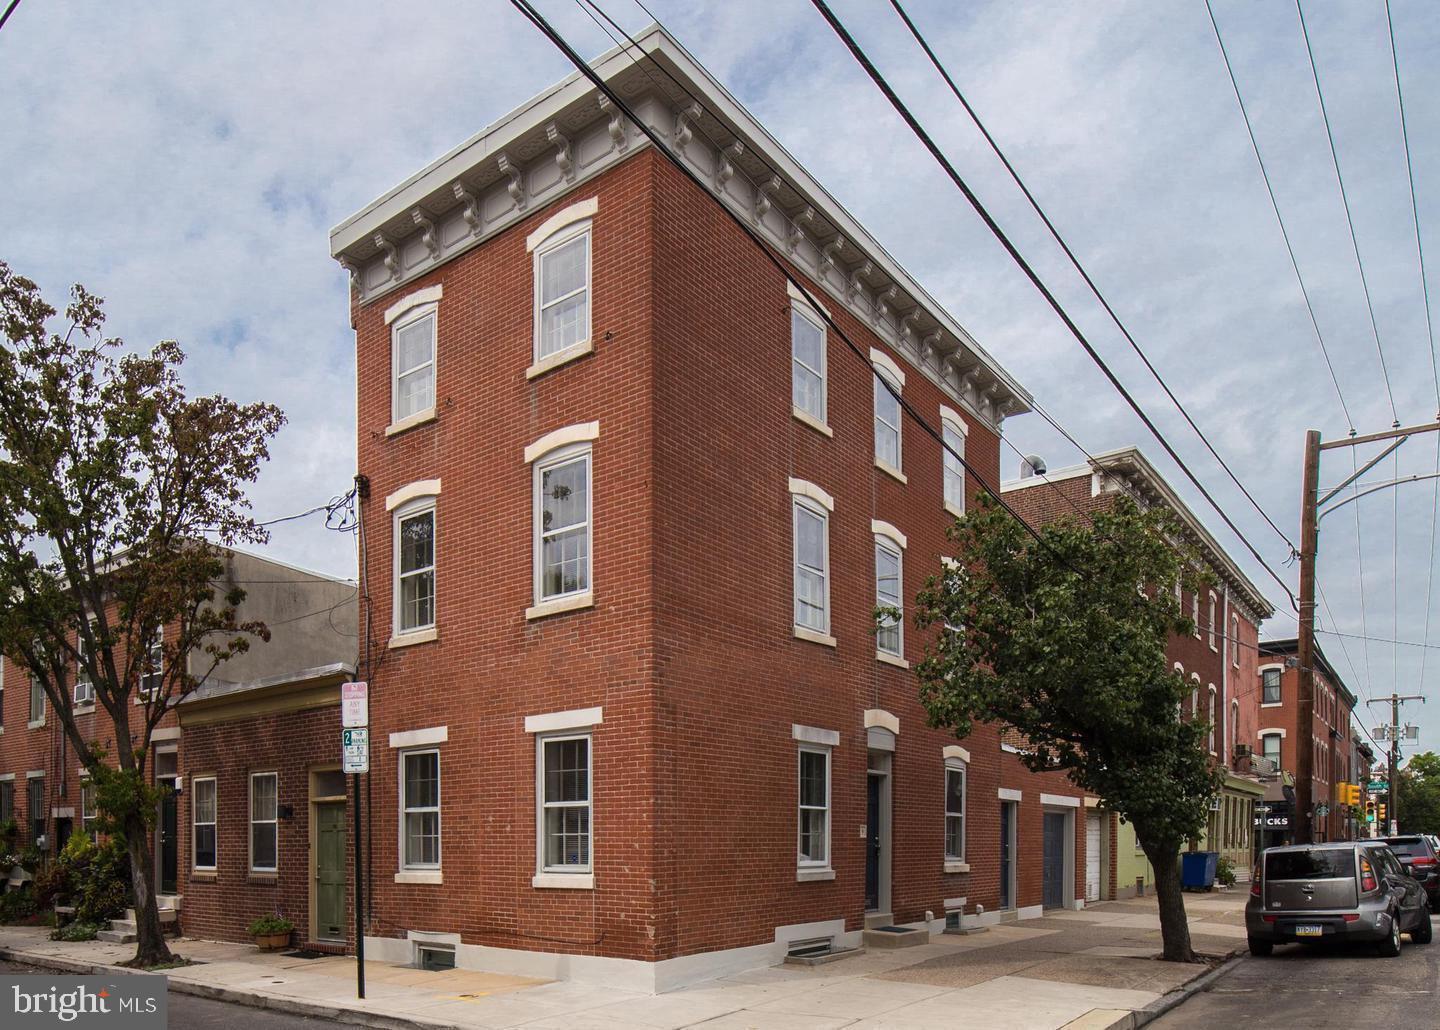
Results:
<point x="410" y="318"/>
<point x="155" y="655"/>
<point x="896" y="551"/>
<point x="955" y="765"/>
<point x="820" y="512"/>
<point x="406" y="809"/>
<point x="799" y="309"/>
<point x="89" y="810"/>
<point x="803" y="863"/>
<point x="898" y="467"/>
<point x="1277" y="737"/>
<point x="953" y="428"/>
<point x="83" y="685"/>
<point x="411" y="509"/>
<point x="543" y="868"/>
<point x="1279" y="672"/>
<point x="553" y="459"/>
<point x="214" y="821"/>
<point x="37" y="690"/>
<point x="559" y="238"/>
<point x="275" y="822"/>
<point x="1195" y="612"/>
<point x="1214" y="646"/>
<point x="1211" y="734"/>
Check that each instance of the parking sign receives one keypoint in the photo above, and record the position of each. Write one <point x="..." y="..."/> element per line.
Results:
<point x="355" y="747"/>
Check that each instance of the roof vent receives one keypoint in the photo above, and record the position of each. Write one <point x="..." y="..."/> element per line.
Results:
<point x="1032" y="465"/>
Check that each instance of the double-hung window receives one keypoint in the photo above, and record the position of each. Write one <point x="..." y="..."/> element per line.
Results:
<point x="264" y="822"/>
<point x="814" y="828"/>
<point x="889" y="605"/>
<point x="562" y="524"/>
<point x="562" y="292"/>
<point x="1234" y="641"/>
<point x="1270" y="747"/>
<point x="415" y="566"/>
<point x="1195" y="612"/>
<point x="152" y="675"/>
<point x="887" y="422"/>
<point x="420" y="800"/>
<point x="7" y="800"/>
<point x="953" y="435"/>
<point x="1270" y="687"/>
<point x="1213" y="713"/>
<point x="954" y="810"/>
<point x="412" y="345"/>
<point x="35" y="807"/>
<point x="203" y="807"/>
<point x="565" y="804"/>
<point x="37" y="701"/>
<point x="812" y="565"/>
<point x="807" y="362"/>
<point x="88" y="812"/>
<point x="1213" y="625"/>
<point x="84" y="689"/>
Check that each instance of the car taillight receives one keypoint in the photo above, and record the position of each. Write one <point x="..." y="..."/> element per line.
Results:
<point x="1367" y="876"/>
<point x="1255" y="882"/>
<point x="1422" y="860"/>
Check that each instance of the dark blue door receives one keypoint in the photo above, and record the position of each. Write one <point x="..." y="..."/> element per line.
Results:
<point x="1053" y="860"/>
<point x="872" y="843"/>
<point x="1007" y="872"/>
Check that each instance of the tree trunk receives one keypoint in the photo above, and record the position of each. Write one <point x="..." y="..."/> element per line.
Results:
<point x="150" y="946"/>
<point x="1174" y="928"/>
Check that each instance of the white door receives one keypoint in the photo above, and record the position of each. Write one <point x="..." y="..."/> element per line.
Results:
<point x="1092" y="856"/>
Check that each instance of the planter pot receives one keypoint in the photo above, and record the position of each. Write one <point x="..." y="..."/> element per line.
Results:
<point x="272" y="941"/>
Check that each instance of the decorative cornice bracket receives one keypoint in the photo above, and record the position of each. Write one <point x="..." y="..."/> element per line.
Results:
<point x="684" y="132"/>
<point x="392" y="257"/>
<point x="856" y="285"/>
<point x="563" y="160"/>
<point x="516" y="186"/>
<point x="618" y="138"/>
<point x="427" y="232"/>
<point x="471" y="213"/>
<point x="763" y="193"/>
<point x="886" y="302"/>
<point x="829" y="252"/>
<point x="725" y="170"/>
<point x="796" y="234"/>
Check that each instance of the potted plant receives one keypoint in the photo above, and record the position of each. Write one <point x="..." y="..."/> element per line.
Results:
<point x="271" y="933"/>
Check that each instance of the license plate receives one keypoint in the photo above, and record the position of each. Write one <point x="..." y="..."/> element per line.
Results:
<point x="1309" y="931"/>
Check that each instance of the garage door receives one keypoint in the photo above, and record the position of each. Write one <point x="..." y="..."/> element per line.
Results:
<point x="1092" y="856"/>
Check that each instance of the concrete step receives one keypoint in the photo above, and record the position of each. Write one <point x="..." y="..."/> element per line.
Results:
<point x="889" y="937"/>
<point x="123" y="925"/>
<point x="167" y="915"/>
<point x="115" y="937"/>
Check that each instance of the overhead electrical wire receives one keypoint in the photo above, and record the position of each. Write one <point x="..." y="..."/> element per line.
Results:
<point x="919" y="131"/>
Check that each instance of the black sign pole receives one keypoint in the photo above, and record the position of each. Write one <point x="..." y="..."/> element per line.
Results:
<point x="359" y="901"/>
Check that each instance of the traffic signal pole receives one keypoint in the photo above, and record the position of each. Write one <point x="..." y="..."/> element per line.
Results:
<point x="1394" y="701"/>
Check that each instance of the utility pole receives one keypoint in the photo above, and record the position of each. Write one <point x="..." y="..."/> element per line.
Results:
<point x="1394" y="701"/>
<point x="1310" y="515"/>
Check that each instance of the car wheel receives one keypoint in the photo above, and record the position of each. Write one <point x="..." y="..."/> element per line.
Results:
<point x="1259" y="948"/>
<point x="1423" y="930"/>
<point x="1390" y="946"/>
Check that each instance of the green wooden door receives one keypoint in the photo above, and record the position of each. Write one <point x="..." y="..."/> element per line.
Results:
<point x="330" y="872"/>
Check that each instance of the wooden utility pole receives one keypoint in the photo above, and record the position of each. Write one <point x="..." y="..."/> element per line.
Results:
<point x="1305" y="644"/>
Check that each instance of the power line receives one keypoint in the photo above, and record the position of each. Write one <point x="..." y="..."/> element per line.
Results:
<point x="8" y="11"/>
<point x="1075" y="261"/>
<point x="1349" y="219"/>
<point x="1275" y="206"/>
<point x="915" y="127"/>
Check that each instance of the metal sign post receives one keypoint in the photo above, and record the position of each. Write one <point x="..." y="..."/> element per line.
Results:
<point x="355" y="750"/>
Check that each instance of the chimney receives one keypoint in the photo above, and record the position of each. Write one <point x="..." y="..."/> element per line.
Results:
<point x="1032" y="465"/>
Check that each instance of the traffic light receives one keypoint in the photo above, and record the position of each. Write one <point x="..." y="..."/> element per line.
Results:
<point x="1370" y="810"/>
<point x="1352" y="794"/>
<point x="1381" y="812"/>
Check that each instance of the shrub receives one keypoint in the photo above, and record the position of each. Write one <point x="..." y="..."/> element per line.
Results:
<point x="76" y="931"/>
<point x="1225" y="872"/>
<point x="18" y="905"/>
<point x="266" y="925"/>
<point x="95" y="878"/>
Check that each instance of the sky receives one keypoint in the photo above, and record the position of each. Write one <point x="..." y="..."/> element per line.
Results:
<point x="187" y="160"/>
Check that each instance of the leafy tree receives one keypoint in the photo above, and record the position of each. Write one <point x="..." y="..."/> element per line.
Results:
<point x="1418" y="794"/>
<point x="1053" y="638"/>
<point x="111" y="479"/>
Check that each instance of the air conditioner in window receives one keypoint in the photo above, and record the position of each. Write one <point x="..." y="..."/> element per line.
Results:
<point x="1215" y="803"/>
<point x="1243" y="751"/>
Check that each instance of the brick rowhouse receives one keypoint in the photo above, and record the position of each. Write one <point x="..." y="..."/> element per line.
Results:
<point x="674" y="749"/>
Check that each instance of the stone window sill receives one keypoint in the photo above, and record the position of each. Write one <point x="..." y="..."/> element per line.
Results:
<point x="952" y="866"/>
<point x="35" y="724"/>
<point x="1273" y="704"/>
<point x="890" y="659"/>
<point x="560" y="357"/>
<point x="893" y="473"/>
<point x="262" y="876"/>
<point x="205" y="875"/>
<point x="430" y="876"/>
<point x="423" y="636"/>
<point x="801" y="633"/>
<point x="564" y="881"/>
<point x="85" y="709"/>
<point x="813" y="875"/>
<point x="801" y="415"/>
<point x="561" y="605"/>
<point x="957" y="512"/>
<point x="420" y="418"/>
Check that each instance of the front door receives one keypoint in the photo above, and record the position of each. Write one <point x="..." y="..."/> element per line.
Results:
<point x="1053" y="860"/>
<point x="330" y="872"/>
<point x="1007" y="853"/>
<point x="169" y="839"/>
<point x="872" y="843"/>
<point x="1092" y="856"/>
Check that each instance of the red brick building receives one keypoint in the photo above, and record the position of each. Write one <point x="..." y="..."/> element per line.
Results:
<point x="1219" y="659"/>
<point x="632" y="510"/>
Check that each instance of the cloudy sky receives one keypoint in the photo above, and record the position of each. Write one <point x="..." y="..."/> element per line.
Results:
<point x="186" y="160"/>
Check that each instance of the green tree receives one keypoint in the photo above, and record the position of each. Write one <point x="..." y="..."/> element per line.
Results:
<point x="1057" y="639"/>
<point x="115" y="489"/>
<point x="1418" y="794"/>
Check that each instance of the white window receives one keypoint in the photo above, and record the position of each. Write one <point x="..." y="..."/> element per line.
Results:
<point x="1195" y="696"/>
<point x="954" y="438"/>
<point x="887" y="422"/>
<point x="1213" y="625"/>
<point x="84" y="689"/>
<point x="415" y="566"/>
<point x="1213" y="713"/>
<point x="954" y="810"/>
<point x="202" y="790"/>
<point x="420" y="801"/>
<point x="152" y="673"/>
<point x="1234" y="728"/>
<point x="1270" y="747"/>
<point x="1195" y="612"/>
<point x="562" y="292"/>
<point x="1270" y="686"/>
<point x="564" y="793"/>
<point x="562" y="524"/>
<point x="807" y="362"/>
<point x="889" y="602"/>
<point x="412" y="348"/>
<point x="88" y="813"/>
<point x="1235" y="641"/>
<point x="812" y="564"/>
<point x="264" y="822"/>
<point x="37" y="701"/>
<point x="814" y="830"/>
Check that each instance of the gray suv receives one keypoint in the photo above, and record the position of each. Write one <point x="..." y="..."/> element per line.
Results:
<point x="1352" y="891"/>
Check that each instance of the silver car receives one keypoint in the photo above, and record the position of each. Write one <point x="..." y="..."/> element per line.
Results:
<point x="1351" y="891"/>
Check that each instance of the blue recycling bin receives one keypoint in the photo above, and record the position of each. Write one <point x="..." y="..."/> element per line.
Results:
<point x="1197" y="869"/>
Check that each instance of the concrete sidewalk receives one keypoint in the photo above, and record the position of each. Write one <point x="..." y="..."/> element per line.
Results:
<point x="1090" y="969"/>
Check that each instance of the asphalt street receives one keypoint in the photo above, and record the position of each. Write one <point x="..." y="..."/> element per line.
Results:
<point x="1309" y="986"/>
<point x="187" y="1012"/>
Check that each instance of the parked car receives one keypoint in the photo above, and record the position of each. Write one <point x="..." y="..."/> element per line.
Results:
<point x="1420" y="857"/>
<point x="1353" y="891"/>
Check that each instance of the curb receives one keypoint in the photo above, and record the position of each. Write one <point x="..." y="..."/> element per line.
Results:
<point x="1165" y="1003"/>
<point x="276" y="1002"/>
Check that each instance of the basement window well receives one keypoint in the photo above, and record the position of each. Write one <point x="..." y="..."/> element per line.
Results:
<point x="435" y="957"/>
